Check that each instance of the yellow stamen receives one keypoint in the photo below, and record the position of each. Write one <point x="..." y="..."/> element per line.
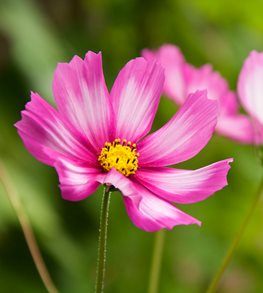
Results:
<point x="121" y="155"/>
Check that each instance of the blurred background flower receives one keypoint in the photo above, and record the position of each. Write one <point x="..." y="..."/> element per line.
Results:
<point x="34" y="36"/>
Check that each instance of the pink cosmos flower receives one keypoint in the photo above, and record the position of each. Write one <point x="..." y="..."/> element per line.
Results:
<point x="182" y="78"/>
<point x="99" y="137"/>
<point x="250" y="90"/>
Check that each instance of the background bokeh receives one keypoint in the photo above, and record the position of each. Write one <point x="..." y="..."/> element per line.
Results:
<point x="34" y="36"/>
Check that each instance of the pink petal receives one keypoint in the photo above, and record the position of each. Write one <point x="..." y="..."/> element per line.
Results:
<point x="229" y="104"/>
<point x="147" y="211"/>
<point x="77" y="181"/>
<point x="47" y="137"/>
<point x="183" y="136"/>
<point x="83" y="99"/>
<point x="183" y="79"/>
<point x="217" y="87"/>
<point x="172" y="60"/>
<point x="250" y="85"/>
<point x="135" y="97"/>
<point x="230" y="123"/>
<point x="240" y="128"/>
<point x="185" y="186"/>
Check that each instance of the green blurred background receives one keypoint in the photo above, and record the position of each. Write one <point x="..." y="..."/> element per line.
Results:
<point x="34" y="36"/>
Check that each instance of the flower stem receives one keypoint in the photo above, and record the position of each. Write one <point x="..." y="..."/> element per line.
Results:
<point x="102" y="247"/>
<point x="27" y="230"/>
<point x="156" y="262"/>
<point x="229" y="254"/>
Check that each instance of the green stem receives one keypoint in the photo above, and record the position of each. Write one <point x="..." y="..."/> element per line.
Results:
<point x="156" y="262"/>
<point x="228" y="257"/>
<point x="102" y="247"/>
<point x="28" y="232"/>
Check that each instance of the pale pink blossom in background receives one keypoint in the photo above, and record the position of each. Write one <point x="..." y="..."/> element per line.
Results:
<point x="182" y="78"/>
<point x="250" y="90"/>
<point x="99" y="137"/>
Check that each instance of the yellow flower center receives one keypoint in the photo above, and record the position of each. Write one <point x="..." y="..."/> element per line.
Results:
<point x="121" y="155"/>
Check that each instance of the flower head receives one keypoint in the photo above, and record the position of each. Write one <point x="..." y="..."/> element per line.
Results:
<point x="99" y="137"/>
<point x="182" y="79"/>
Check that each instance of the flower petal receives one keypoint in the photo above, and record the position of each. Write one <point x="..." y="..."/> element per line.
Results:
<point x="77" y="181"/>
<point x="135" y="97"/>
<point x="240" y="128"/>
<point x="46" y="135"/>
<point x="185" y="186"/>
<point x="83" y="99"/>
<point x="147" y="211"/>
<point x="172" y="60"/>
<point x="217" y="88"/>
<point x="183" y="136"/>
<point x="250" y="85"/>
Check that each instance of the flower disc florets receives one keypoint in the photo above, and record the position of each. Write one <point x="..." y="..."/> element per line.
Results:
<point x="121" y="155"/>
